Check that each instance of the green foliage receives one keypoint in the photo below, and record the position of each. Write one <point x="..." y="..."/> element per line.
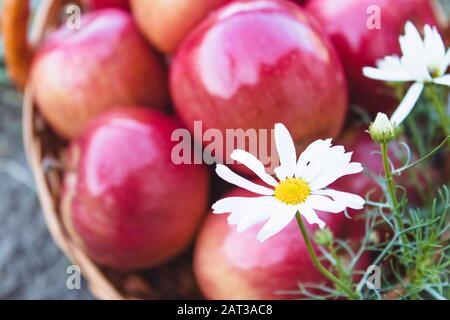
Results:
<point x="410" y="243"/>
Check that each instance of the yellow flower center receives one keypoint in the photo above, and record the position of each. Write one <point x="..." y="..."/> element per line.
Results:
<point x="292" y="191"/>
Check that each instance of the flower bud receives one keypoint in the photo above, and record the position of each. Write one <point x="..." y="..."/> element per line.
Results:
<point x="324" y="237"/>
<point x="382" y="130"/>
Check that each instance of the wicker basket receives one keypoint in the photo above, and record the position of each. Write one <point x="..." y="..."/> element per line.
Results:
<point x="44" y="152"/>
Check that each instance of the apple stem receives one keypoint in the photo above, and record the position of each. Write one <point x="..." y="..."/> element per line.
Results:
<point x="319" y="266"/>
<point x="391" y="191"/>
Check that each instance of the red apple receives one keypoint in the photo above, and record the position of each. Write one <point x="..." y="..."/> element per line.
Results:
<point x="101" y="4"/>
<point x="125" y="202"/>
<point x="252" y="64"/>
<point x="231" y="265"/>
<point x="301" y="2"/>
<point x="351" y="26"/>
<point x="78" y="74"/>
<point x="166" y="23"/>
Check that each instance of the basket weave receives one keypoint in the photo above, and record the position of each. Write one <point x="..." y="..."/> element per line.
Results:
<point x="45" y="153"/>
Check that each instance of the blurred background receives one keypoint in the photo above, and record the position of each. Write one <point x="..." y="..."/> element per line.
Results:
<point x="31" y="266"/>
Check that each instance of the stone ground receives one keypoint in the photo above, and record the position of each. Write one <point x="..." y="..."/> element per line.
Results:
<point x="31" y="266"/>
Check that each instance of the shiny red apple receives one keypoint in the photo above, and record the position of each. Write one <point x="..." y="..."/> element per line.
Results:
<point x="78" y="74"/>
<point x="252" y="64"/>
<point x="101" y="4"/>
<point x="364" y="31"/>
<point x="301" y="2"/>
<point x="230" y="265"/>
<point x="125" y="202"/>
<point x="166" y="23"/>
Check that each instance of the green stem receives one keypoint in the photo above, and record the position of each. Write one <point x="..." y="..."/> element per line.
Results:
<point x="440" y="109"/>
<point x="391" y="190"/>
<point x="340" y="269"/>
<point x="416" y="135"/>
<point x="316" y="262"/>
<point x="428" y="156"/>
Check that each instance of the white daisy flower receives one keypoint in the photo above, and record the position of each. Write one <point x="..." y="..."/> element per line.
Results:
<point x="301" y="186"/>
<point x="423" y="61"/>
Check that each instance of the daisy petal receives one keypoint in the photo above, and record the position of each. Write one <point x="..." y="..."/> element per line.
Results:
<point x="227" y="205"/>
<point x="310" y="215"/>
<point x="386" y="75"/>
<point x="391" y="63"/>
<point x="434" y="48"/>
<point x="332" y="174"/>
<point x="277" y="221"/>
<point x="280" y="173"/>
<point x="350" y="200"/>
<point x="338" y="160"/>
<point x="408" y="103"/>
<point x="286" y="151"/>
<point x="417" y="69"/>
<point x="411" y="42"/>
<point x="414" y="58"/>
<point x="259" y="212"/>
<point x="445" y="80"/>
<point x="328" y="158"/>
<point x="251" y="162"/>
<point x="251" y="220"/>
<point x="237" y="215"/>
<point x="226" y="174"/>
<point x="323" y="203"/>
<point x="310" y="153"/>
